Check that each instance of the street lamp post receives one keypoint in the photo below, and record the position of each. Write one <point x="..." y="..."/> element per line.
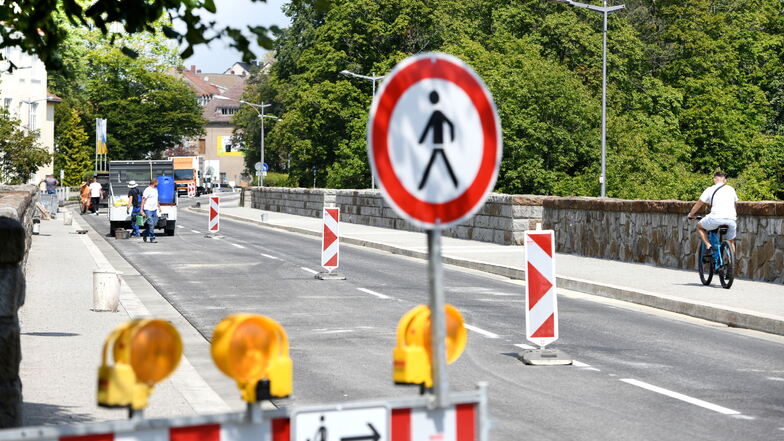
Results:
<point x="261" y="115"/>
<point x="372" y="78"/>
<point x="605" y="11"/>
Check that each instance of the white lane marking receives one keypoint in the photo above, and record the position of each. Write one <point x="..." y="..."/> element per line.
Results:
<point x="580" y="364"/>
<point x="194" y="231"/>
<point x="744" y="417"/>
<point x="487" y="334"/>
<point x="238" y="246"/>
<point x="524" y="346"/>
<point x="309" y="270"/>
<point x="775" y="378"/>
<point x="270" y="257"/>
<point x="679" y="396"/>
<point x="373" y="293"/>
<point x="335" y="331"/>
<point x="180" y="226"/>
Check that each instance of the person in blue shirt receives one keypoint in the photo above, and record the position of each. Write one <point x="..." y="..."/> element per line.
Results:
<point x="134" y="206"/>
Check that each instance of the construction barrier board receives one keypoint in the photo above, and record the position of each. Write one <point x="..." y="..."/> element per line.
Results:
<point x="541" y="312"/>
<point x="399" y="419"/>
<point x="330" y="239"/>
<point x="214" y="223"/>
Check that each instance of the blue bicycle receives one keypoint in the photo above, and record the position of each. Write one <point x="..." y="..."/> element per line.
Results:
<point x="721" y="261"/>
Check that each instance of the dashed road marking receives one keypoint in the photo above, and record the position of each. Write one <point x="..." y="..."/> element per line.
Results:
<point x="481" y="331"/>
<point x="335" y="331"/>
<point x="180" y="226"/>
<point x="194" y="231"/>
<point x="584" y="366"/>
<point x="679" y="396"/>
<point x="270" y="257"/>
<point x="373" y="293"/>
<point x="309" y="270"/>
<point x="238" y="245"/>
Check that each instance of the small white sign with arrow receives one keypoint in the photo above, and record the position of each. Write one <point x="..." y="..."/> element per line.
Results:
<point x="337" y="424"/>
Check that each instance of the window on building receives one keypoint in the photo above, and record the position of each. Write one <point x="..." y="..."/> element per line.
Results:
<point x="7" y="104"/>
<point x="33" y="124"/>
<point x="227" y="110"/>
<point x="202" y="146"/>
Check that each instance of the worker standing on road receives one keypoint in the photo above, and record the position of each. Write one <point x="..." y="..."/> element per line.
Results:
<point x="84" y="192"/>
<point x="134" y="206"/>
<point x="96" y="193"/>
<point x="150" y="206"/>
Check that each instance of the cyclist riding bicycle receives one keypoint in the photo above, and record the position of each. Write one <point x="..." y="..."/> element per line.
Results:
<point x="721" y="198"/>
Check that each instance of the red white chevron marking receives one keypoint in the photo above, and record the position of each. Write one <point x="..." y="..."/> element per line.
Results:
<point x="214" y="224"/>
<point x="330" y="239"/>
<point x="541" y="314"/>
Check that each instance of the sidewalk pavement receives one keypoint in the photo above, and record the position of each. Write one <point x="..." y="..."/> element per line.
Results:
<point x="62" y="337"/>
<point x="748" y="304"/>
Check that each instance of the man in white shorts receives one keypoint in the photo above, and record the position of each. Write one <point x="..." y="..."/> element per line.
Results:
<point x="721" y="198"/>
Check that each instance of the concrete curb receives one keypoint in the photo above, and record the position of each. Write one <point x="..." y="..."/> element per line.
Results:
<point x="736" y="318"/>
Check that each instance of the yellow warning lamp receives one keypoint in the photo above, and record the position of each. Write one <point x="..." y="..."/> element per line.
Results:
<point x="145" y="351"/>
<point x="254" y="351"/>
<point x="412" y="354"/>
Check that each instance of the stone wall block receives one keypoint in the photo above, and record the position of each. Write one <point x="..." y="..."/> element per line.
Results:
<point x="526" y="211"/>
<point x="483" y="234"/>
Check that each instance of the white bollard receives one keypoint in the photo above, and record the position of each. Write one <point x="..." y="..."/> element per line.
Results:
<point x="106" y="290"/>
<point x="67" y="218"/>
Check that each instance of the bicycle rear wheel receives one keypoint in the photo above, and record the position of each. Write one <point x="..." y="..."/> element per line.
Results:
<point x="704" y="268"/>
<point x="727" y="270"/>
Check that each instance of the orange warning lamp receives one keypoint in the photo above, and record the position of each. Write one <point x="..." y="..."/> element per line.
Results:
<point x="412" y="354"/>
<point x="251" y="348"/>
<point x="145" y="351"/>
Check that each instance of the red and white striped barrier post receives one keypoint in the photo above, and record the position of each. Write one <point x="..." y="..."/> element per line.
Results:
<point x="541" y="312"/>
<point x="330" y="245"/>
<point x="404" y="419"/>
<point x="191" y="189"/>
<point x="214" y="222"/>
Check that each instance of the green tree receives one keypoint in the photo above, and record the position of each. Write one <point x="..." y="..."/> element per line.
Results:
<point x="20" y="153"/>
<point x="147" y="111"/>
<point x="37" y="28"/>
<point x="73" y="152"/>
<point x="692" y="86"/>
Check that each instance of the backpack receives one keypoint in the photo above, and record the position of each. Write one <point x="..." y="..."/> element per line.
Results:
<point x="137" y="198"/>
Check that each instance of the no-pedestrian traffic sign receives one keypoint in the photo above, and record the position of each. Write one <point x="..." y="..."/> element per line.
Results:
<point x="434" y="140"/>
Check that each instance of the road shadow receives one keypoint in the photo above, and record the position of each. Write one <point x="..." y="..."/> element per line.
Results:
<point x="40" y="414"/>
<point x="515" y="355"/>
<point x="697" y="284"/>
<point x="51" y="334"/>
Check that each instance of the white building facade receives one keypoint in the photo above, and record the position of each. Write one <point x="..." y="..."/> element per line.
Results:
<point x="23" y="93"/>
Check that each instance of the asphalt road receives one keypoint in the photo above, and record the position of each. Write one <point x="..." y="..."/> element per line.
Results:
<point x="641" y="374"/>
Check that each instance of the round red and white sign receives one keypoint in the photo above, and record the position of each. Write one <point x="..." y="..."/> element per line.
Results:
<point x="434" y="140"/>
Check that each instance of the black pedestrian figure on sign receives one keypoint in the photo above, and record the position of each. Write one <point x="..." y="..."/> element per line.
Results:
<point x="436" y="122"/>
<point x="321" y="433"/>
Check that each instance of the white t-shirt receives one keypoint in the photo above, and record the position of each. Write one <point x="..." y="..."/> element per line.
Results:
<point x="723" y="206"/>
<point x="150" y="196"/>
<point x="95" y="190"/>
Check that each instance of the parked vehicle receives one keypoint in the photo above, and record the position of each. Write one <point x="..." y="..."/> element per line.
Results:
<point x="189" y="170"/>
<point x="122" y="172"/>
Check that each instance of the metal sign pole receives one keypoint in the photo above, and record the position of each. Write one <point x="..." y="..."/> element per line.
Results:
<point x="435" y="272"/>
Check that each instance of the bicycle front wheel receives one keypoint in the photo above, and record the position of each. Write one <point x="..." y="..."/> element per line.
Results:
<point x="727" y="270"/>
<point x="704" y="268"/>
